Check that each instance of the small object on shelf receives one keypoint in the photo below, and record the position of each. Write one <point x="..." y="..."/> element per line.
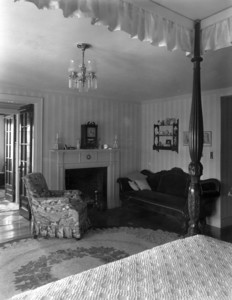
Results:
<point x="175" y="129"/>
<point x="166" y="135"/>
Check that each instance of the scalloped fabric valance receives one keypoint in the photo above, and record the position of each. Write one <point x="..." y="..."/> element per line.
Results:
<point x="127" y="17"/>
<point x="218" y="35"/>
<point x="142" y="24"/>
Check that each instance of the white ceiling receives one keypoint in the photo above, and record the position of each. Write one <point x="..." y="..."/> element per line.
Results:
<point x="36" y="46"/>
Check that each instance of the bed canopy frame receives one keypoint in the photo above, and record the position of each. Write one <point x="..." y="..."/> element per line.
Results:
<point x="162" y="27"/>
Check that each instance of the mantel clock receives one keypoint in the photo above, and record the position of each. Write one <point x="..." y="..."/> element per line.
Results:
<point x="89" y="138"/>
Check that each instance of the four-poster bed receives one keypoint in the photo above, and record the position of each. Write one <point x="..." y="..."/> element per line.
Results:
<point x="163" y="27"/>
<point x="215" y="267"/>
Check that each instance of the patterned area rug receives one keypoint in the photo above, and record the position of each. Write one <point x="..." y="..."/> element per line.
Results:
<point x="30" y="263"/>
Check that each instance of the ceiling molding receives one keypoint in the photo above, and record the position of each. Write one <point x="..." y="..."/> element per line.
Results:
<point x="220" y="16"/>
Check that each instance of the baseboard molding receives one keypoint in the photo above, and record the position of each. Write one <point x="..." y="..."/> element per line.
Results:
<point x="226" y="222"/>
<point x="224" y="233"/>
<point x="213" y="231"/>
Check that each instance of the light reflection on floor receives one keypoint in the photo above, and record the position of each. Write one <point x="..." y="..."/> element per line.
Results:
<point x="10" y="219"/>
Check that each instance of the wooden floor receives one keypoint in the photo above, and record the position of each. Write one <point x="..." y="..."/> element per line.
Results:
<point x="14" y="227"/>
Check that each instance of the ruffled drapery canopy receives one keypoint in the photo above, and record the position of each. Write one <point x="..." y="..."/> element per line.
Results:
<point x="146" y="25"/>
<point x="217" y="35"/>
<point x="160" y="28"/>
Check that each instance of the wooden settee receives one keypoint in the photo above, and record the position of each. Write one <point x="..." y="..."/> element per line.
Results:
<point x="166" y="192"/>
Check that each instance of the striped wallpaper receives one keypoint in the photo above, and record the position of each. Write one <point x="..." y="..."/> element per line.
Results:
<point x="65" y="114"/>
<point x="133" y="124"/>
<point x="179" y="107"/>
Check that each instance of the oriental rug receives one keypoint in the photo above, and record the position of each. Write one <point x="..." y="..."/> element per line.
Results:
<point x="30" y="263"/>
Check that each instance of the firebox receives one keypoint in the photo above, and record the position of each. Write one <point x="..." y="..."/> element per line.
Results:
<point x="92" y="182"/>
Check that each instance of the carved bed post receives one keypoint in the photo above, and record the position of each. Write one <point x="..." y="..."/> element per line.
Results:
<point x="195" y="139"/>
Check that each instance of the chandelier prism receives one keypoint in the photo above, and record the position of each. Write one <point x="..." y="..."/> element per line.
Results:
<point x="84" y="77"/>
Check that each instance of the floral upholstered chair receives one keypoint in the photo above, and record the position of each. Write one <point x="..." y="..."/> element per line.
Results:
<point x="55" y="213"/>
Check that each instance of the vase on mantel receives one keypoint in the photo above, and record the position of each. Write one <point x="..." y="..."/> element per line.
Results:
<point x="56" y="145"/>
<point x="115" y="144"/>
<point x="78" y="144"/>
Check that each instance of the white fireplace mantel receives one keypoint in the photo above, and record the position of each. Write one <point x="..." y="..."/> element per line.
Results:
<point x="60" y="160"/>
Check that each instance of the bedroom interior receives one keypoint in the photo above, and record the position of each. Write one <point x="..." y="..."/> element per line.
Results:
<point x="130" y="99"/>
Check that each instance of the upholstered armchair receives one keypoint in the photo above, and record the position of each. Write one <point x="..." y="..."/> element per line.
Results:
<point x="55" y="213"/>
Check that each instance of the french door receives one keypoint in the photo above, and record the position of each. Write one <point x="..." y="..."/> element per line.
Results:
<point x="10" y="141"/>
<point x="26" y="137"/>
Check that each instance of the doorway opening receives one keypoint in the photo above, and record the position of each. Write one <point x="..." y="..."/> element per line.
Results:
<point x="22" y="144"/>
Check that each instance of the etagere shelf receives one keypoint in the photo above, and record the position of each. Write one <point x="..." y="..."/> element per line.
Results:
<point x="166" y="135"/>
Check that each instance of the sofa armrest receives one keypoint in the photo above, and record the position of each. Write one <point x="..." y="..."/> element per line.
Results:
<point x="210" y="188"/>
<point x="124" y="185"/>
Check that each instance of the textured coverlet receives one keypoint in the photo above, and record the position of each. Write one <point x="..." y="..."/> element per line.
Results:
<point x="198" y="267"/>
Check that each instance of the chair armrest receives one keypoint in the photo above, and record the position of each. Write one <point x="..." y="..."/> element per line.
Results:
<point x="124" y="185"/>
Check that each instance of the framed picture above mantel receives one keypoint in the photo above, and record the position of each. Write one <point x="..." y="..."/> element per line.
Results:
<point x="166" y="135"/>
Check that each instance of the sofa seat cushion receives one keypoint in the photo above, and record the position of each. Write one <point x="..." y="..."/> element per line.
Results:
<point x="159" y="199"/>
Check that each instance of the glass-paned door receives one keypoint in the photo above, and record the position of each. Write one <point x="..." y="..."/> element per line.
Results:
<point x="26" y="129"/>
<point x="10" y="129"/>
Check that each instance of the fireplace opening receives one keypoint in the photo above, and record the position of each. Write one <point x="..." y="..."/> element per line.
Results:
<point x="92" y="182"/>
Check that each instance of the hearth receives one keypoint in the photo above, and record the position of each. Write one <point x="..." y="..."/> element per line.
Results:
<point x="92" y="182"/>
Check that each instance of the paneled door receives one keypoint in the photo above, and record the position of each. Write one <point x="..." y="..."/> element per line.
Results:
<point x="226" y="160"/>
<point x="26" y="136"/>
<point x="10" y="130"/>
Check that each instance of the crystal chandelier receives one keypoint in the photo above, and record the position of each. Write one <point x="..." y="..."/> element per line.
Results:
<point x="84" y="77"/>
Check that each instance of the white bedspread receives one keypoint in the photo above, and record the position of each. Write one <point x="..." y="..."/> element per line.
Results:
<point x="196" y="267"/>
